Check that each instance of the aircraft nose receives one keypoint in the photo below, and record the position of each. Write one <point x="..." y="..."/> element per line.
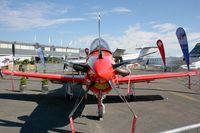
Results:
<point x="103" y="68"/>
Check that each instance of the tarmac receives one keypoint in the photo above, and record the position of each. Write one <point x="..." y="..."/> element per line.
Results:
<point x="159" y="105"/>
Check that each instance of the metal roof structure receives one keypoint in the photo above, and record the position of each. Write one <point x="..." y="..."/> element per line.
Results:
<point x="28" y="49"/>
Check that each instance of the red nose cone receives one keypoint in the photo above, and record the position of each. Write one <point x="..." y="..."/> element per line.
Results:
<point x="103" y="68"/>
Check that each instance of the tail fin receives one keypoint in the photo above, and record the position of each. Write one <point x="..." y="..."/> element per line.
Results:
<point x="195" y="52"/>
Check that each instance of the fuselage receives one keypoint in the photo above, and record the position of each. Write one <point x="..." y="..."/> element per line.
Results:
<point x="170" y="61"/>
<point x="100" y="69"/>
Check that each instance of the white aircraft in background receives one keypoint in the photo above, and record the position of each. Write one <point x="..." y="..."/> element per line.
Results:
<point x="119" y="54"/>
<point x="5" y="60"/>
<point x="194" y="65"/>
<point x="173" y="62"/>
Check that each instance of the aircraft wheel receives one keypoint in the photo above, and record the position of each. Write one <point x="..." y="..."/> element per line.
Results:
<point x="130" y="98"/>
<point x="69" y="97"/>
<point x="100" y="113"/>
<point x="69" y="92"/>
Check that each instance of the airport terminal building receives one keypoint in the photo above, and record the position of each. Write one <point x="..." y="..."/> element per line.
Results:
<point x="28" y="49"/>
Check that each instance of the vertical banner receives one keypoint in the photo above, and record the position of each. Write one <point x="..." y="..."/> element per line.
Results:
<point x="87" y="51"/>
<point x="162" y="52"/>
<point x="182" y="39"/>
<point x="13" y="54"/>
<point x="13" y="49"/>
<point x="13" y="69"/>
<point x="40" y="54"/>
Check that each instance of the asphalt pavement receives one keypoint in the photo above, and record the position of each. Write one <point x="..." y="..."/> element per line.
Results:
<point x="159" y="105"/>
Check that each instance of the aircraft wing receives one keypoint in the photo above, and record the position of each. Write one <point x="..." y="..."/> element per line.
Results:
<point x="59" y="77"/>
<point x="118" y="52"/>
<point x="149" y="77"/>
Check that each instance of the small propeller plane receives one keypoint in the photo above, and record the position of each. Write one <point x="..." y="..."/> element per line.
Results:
<point x="101" y="75"/>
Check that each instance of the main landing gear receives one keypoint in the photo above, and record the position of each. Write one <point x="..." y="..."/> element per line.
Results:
<point x="100" y="106"/>
<point x="131" y="91"/>
<point x="68" y="91"/>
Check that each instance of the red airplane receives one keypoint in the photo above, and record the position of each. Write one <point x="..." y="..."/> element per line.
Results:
<point x="101" y="73"/>
<point x="101" y="76"/>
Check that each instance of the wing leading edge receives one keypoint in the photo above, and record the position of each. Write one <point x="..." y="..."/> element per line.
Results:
<point x="60" y="77"/>
<point x="149" y="77"/>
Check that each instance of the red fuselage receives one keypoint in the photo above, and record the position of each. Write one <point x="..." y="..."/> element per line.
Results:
<point x="101" y="70"/>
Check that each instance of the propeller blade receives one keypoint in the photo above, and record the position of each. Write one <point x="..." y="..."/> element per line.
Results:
<point x="78" y="67"/>
<point x="132" y="61"/>
<point x="122" y="72"/>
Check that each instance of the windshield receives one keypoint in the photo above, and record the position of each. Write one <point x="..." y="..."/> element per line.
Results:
<point x="103" y="44"/>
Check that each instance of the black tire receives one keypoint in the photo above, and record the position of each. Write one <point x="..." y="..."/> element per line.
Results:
<point x="100" y="113"/>
<point x="68" y="97"/>
<point x="130" y="98"/>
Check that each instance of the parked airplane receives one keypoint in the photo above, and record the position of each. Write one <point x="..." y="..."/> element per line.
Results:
<point x="5" y="60"/>
<point x="120" y="55"/>
<point x="173" y="62"/>
<point x="101" y="76"/>
<point x="194" y="65"/>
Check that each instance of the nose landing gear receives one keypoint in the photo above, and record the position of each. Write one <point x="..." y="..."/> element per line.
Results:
<point x="101" y="107"/>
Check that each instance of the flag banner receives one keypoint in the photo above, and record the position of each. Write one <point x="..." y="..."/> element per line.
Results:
<point x="182" y="38"/>
<point x="162" y="51"/>
<point x="13" y="49"/>
<point x="41" y="55"/>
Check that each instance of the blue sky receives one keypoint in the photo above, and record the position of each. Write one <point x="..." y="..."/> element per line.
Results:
<point x="125" y="23"/>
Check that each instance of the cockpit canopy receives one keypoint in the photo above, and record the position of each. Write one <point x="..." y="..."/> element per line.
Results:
<point x="99" y="42"/>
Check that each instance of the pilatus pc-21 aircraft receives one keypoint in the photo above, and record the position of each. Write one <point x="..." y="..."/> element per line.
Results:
<point x="101" y="76"/>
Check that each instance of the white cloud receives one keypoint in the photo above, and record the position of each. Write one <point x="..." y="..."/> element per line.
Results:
<point x="84" y="42"/>
<point x="113" y="10"/>
<point x="33" y="15"/>
<point x="121" y="10"/>
<point x="166" y="27"/>
<point x="194" y="36"/>
<point x="135" y="36"/>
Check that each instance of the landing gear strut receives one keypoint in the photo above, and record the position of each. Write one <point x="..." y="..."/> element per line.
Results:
<point x="131" y="91"/>
<point x="101" y="107"/>
<point x="69" y="91"/>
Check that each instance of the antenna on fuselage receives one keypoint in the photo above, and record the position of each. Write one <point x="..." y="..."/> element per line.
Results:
<point x="99" y="20"/>
<point x="100" y="52"/>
